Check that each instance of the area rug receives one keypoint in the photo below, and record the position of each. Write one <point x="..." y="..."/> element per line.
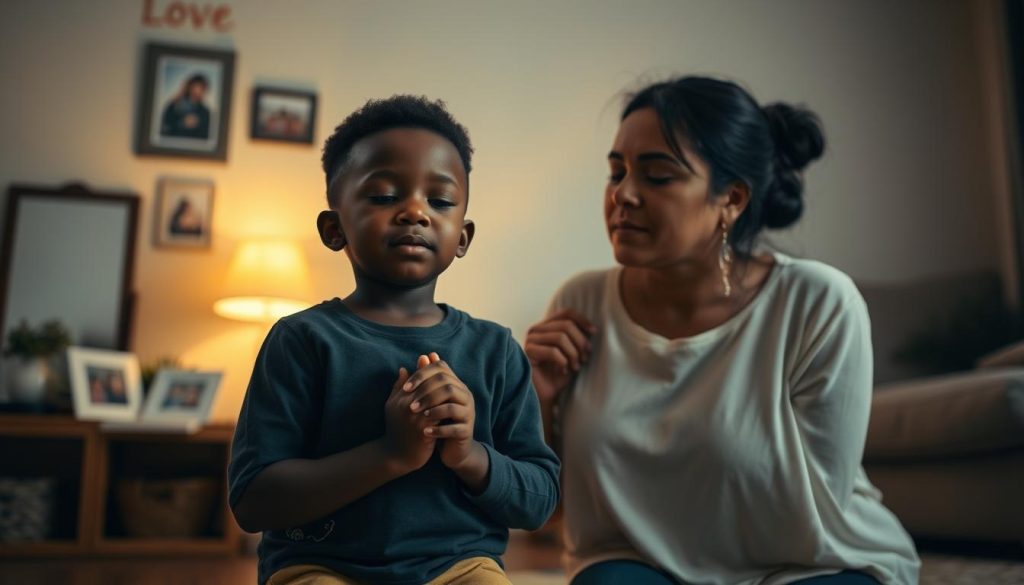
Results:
<point x="953" y="570"/>
<point x="935" y="570"/>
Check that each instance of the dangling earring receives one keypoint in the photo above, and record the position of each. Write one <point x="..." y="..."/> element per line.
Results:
<point x="725" y="261"/>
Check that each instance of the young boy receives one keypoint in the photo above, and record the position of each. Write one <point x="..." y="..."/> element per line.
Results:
<point x="385" y="438"/>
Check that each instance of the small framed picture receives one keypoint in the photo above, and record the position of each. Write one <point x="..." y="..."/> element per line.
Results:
<point x="186" y="101"/>
<point x="283" y="114"/>
<point x="105" y="385"/>
<point x="184" y="213"/>
<point x="180" y="397"/>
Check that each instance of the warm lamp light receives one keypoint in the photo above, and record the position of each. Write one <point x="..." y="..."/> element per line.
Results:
<point x="265" y="281"/>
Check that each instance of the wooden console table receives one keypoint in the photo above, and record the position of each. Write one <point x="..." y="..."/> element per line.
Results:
<point x="86" y="464"/>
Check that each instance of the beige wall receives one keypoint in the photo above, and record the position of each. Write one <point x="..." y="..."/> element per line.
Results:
<point x="905" y="189"/>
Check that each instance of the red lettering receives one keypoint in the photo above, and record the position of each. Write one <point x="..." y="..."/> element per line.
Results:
<point x="147" y="14"/>
<point x="220" y="17"/>
<point x="178" y="13"/>
<point x="175" y="14"/>
<point x="199" y="14"/>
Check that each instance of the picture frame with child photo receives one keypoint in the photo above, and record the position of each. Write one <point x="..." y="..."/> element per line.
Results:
<point x="283" y="115"/>
<point x="184" y="213"/>
<point x="180" y="397"/>
<point x="105" y="385"/>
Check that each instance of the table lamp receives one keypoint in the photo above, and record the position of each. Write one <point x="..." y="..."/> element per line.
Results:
<point x="265" y="281"/>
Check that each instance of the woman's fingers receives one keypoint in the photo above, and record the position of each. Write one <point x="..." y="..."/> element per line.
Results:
<point x="563" y="325"/>
<point x="576" y="317"/>
<point x="565" y="344"/>
<point x="547" y="355"/>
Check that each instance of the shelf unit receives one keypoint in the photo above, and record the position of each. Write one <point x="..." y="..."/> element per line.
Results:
<point x="87" y="463"/>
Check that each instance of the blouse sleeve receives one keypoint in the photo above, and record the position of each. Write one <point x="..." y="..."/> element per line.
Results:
<point x="831" y="394"/>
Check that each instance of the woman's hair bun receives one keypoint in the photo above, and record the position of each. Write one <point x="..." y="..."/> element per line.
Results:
<point x="797" y="135"/>
<point x="798" y="139"/>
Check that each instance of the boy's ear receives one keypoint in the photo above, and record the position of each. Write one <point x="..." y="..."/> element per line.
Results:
<point x="329" y="225"/>
<point x="465" y="238"/>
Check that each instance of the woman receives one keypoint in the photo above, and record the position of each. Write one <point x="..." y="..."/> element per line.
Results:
<point x="713" y="399"/>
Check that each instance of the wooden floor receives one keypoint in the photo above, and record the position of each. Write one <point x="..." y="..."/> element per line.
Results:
<point x="524" y="554"/>
<point x="529" y="561"/>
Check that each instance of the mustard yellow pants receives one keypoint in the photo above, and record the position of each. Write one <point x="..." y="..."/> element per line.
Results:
<point x="474" y="571"/>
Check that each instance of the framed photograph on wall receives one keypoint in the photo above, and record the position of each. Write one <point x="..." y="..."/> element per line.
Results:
<point x="105" y="385"/>
<point x="185" y="102"/>
<point x="284" y="115"/>
<point x="184" y="213"/>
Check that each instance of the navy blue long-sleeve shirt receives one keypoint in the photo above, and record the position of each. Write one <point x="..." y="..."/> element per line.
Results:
<point x="319" y="387"/>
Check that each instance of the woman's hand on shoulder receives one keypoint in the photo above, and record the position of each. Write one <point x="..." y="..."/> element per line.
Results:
<point x="557" y="348"/>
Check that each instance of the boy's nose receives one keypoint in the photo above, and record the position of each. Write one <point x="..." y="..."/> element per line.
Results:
<point x="414" y="212"/>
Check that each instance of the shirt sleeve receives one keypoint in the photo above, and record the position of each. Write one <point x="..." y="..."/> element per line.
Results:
<point x="831" y="396"/>
<point x="282" y="405"/>
<point x="522" y="488"/>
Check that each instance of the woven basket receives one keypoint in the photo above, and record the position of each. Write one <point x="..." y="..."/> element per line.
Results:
<point x="26" y="508"/>
<point x="177" y="508"/>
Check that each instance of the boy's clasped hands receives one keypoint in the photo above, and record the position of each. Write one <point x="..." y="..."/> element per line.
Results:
<point x="431" y="404"/>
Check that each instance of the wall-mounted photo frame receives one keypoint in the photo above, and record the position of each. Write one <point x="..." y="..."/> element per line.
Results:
<point x="185" y="102"/>
<point x="180" y="397"/>
<point x="184" y="213"/>
<point x="284" y="115"/>
<point x="105" y="385"/>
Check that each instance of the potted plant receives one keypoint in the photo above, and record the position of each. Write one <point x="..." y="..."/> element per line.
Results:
<point x="29" y="351"/>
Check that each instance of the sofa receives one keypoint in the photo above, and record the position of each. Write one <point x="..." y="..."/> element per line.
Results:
<point x="946" y="448"/>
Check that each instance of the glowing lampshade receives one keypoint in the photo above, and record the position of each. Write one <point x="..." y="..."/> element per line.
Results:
<point x="265" y="281"/>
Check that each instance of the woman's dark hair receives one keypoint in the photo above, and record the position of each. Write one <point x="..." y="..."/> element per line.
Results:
<point x="765" y="148"/>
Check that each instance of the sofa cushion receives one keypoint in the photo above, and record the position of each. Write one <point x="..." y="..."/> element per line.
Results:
<point x="928" y="307"/>
<point x="1007" y="357"/>
<point x="956" y="414"/>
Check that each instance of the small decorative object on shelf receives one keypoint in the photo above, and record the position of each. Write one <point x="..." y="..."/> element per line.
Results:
<point x="29" y="353"/>
<point x="150" y="369"/>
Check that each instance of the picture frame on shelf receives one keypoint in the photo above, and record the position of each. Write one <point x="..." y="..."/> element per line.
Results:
<point x="283" y="115"/>
<point x="178" y="401"/>
<point x="184" y="213"/>
<point x="185" y="102"/>
<point x="179" y="396"/>
<point x="105" y="385"/>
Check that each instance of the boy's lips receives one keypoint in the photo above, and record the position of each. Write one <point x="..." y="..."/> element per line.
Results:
<point x="412" y="241"/>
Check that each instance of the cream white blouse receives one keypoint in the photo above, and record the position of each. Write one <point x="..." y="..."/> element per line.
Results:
<point x="733" y="456"/>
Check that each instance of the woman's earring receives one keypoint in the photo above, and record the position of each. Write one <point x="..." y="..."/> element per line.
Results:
<point x="725" y="261"/>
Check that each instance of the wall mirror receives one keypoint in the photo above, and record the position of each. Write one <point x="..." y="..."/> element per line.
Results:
<point x="68" y="254"/>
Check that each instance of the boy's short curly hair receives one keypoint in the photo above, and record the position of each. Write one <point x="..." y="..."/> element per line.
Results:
<point x="397" y="111"/>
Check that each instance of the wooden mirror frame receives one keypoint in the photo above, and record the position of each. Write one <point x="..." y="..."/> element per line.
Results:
<point x="76" y="192"/>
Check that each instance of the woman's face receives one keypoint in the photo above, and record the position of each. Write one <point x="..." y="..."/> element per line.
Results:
<point x="657" y="207"/>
